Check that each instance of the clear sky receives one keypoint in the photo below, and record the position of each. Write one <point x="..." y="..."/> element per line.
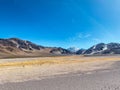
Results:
<point x="62" y="23"/>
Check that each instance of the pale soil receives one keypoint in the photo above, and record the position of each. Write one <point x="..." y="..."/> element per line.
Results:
<point x="103" y="79"/>
<point x="52" y="66"/>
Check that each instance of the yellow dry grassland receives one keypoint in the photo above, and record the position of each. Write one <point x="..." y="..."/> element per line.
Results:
<point x="58" y="60"/>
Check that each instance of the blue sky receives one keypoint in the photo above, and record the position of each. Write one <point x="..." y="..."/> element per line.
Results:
<point x="61" y="23"/>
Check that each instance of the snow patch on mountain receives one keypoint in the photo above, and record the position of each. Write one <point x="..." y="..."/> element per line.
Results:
<point x="105" y="48"/>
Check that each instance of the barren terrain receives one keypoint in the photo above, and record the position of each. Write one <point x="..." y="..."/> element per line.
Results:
<point x="36" y="70"/>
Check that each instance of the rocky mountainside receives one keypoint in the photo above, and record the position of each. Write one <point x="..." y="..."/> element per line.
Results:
<point x="102" y="48"/>
<point x="19" y="44"/>
<point x="60" y="51"/>
<point x="16" y="47"/>
<point x="80" y="51"/>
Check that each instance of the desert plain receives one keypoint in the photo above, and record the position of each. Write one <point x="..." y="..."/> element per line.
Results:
<point x="61" y="73"/>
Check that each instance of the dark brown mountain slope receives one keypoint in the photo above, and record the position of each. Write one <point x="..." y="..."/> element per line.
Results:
<point x="14" y="47"/>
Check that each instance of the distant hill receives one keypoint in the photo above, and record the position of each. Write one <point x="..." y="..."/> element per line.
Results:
<point x="14" y="47"/>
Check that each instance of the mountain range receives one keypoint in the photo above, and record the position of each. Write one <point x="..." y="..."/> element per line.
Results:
<point x="14" y="47"/>
<point x="101" y="48"/>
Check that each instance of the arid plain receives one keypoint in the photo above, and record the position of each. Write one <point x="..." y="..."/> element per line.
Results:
<point x="16" y="71"/>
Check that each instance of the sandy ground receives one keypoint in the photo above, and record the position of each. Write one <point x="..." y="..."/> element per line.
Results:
<point x="105" y="79"/>
<point x="96" y="73"/>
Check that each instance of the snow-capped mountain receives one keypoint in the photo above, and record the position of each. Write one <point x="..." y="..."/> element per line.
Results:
<point x="102" y="48"/>
<point x="73" y="49"/>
